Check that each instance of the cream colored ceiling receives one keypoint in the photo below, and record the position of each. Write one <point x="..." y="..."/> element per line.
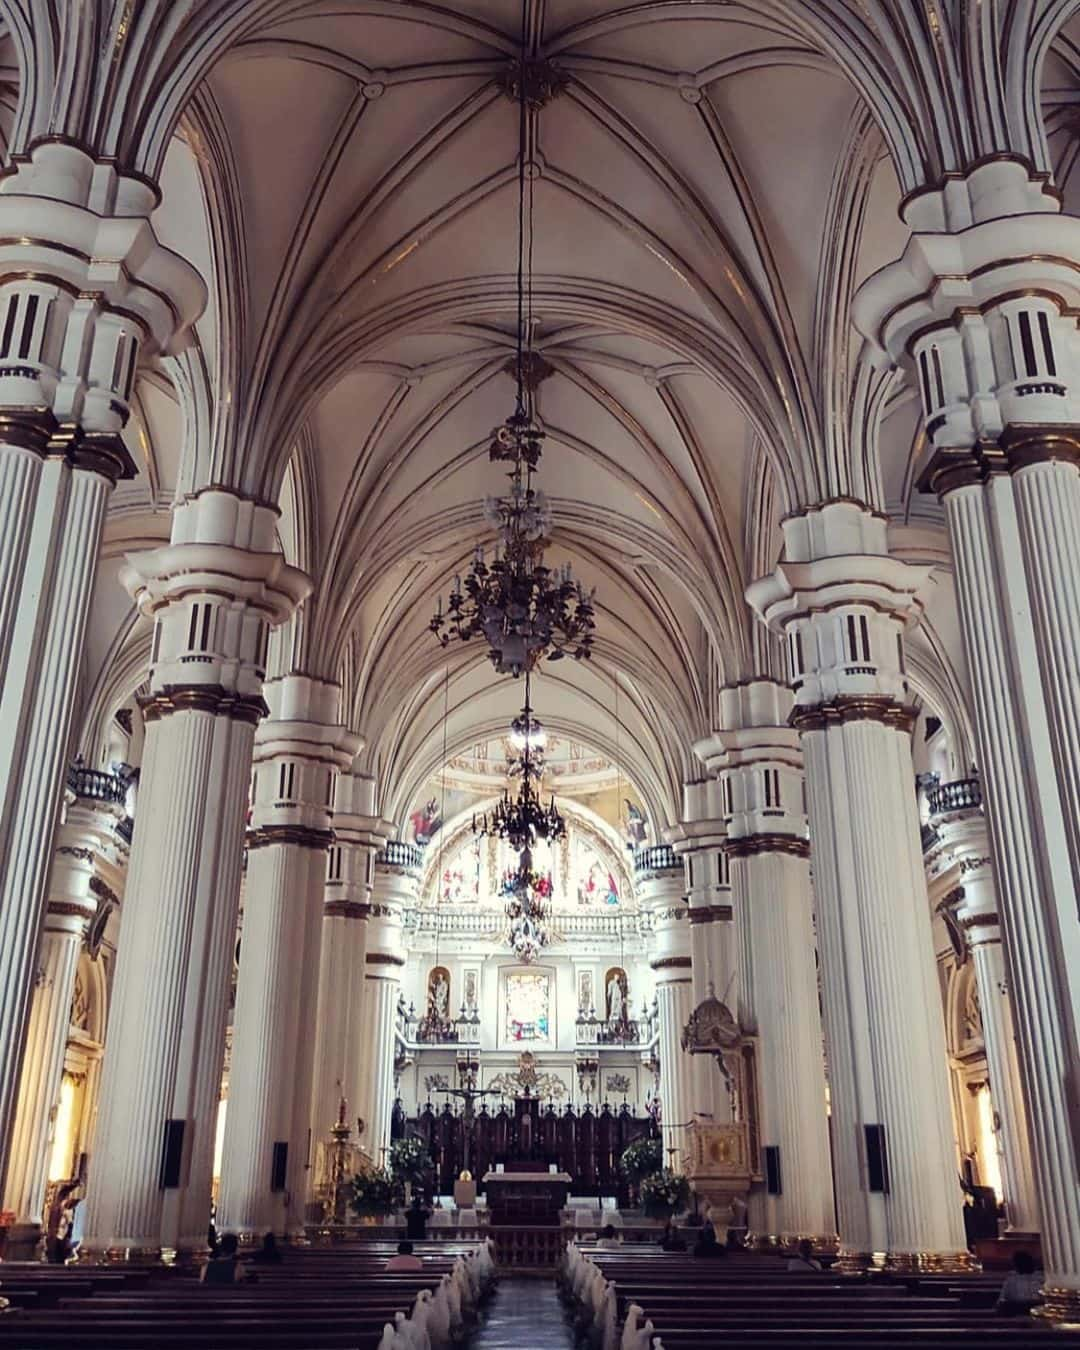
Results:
<point x="711" y="187"/>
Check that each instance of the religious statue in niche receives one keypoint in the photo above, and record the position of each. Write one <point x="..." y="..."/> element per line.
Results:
<point x="425" y="823"/>
<point x="439" y="995"/>
<point x="617" y="988"/>
<point x="636" y="824"/>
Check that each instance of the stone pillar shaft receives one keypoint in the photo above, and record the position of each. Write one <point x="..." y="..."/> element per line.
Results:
<point x="268" y="1149"/>
<point x="1028" y="836"/>
<point x="214" y="592"/>
<point x="843" y="603"/>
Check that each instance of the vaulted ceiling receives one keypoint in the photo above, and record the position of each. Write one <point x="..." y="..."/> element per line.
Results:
<point x="709" y="189"/>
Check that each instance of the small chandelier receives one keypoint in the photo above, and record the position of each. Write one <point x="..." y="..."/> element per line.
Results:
<point x="523" y="610"/>
<point x="523" y="819"/>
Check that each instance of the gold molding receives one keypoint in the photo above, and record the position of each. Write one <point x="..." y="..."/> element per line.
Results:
<point x="854" y="708"/>
<point x="299" y="836"/>
<point x="671" y="963"/>
<point x="711" y="914"/>
<point x="208" y="698"/>
<point x="750" y="845"/>
<point x="383" y="959"/>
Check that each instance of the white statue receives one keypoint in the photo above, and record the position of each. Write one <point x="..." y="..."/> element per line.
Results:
<point x="440" y="997"/>
<point x="615" y="999"/>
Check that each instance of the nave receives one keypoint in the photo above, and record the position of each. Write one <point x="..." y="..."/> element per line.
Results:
<point x="636" y="1297"/>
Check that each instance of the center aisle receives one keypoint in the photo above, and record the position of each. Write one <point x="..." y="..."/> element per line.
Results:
<point x="524" y="1315"/>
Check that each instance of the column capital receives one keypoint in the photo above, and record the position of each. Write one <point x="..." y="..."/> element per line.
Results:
<point x="843" y="604"/>
<point x="214" y="593"/>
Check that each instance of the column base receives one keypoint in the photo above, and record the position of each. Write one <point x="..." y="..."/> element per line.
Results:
<point x="930" y="1263"/>
<point x="853" y="1263"/>
<point x="124" y="1256"/>
<point x="1060" y="1305"/>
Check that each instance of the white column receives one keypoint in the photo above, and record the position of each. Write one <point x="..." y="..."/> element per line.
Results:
<point x="843" y="603"/>
<point x="761" y="761"/>
<point x="660" y="884"/>
<point x="395" y="891"/>
<point x="990" y="312"/>
<point x="699" y="841"/>
<point x="214" y="592"/>
<point x="976" y="913"/>
<point x="81" y="293"/>
<point x="339" y="1060"/>
<point x="268" y="1149"/>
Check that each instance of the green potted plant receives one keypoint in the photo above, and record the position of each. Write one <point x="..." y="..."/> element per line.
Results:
<point x="641" y="1160"/>
<point x="409" y="1162"/>
<point x="664" y="1194"/>
<point x="376" y="1194"/>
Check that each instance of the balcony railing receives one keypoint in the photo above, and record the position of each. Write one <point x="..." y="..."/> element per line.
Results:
<point x="490" y="922"/>
<point x="656" y="858"/>
<point x="397" y="853"/>
<point x="96" y="785"/>
<point x="964" y="794"/>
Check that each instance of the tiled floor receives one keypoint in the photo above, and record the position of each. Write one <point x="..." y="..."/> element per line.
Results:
<point x="524" y="1315"/>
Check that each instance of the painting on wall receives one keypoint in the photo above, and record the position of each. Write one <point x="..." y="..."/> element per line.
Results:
<point x="596" y="885"/>
<point x="586" y="997"/>
<point x="617" y="1085"/>
<point x="528" y="1006"/>
<point x="438" y="999"/>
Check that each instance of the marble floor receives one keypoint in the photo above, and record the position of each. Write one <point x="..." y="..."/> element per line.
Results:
<point x="524" y="1315"/>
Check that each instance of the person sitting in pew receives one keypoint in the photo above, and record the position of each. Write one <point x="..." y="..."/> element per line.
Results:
<point x="671" y="1240"/>
<point x="608" y="1241"/>
<point x="706" y="1245"/>
<point x="1021" y="1289"/>
<point x="224" y="1268"/>
<point x="269" y="1253"/>
<point x="405" y="1260"/>
<point x="804" y="1258"/>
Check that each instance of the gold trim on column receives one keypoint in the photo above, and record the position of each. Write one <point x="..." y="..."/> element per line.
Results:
<point x="300" y="836"/>
<point x="383" y="959"/>
<point x="954" y="467"/>
<point x="1027" y="443"/>
<point x="97" y="452"/>
<point x="671" y="963"/>
<point x="210" y="698"/>
<point x="930" y="1263"/>
<point x="27" y="428"/>
<point x="854" y="708"/>
<point x="710" y="914"/>
<point x="355" y="909"/>
<point x="750" y="845"/>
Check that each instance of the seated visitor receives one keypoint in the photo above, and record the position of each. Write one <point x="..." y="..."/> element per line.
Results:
<point x="706" y="1244"/>
<point x="224" y="1267"/>
<point x="671" y="1240"/>
<point x="416" y="1217"/>
<point x="608" y="1240"/>
<point x="405" y="1259"/>
<point x="804" y="1258"/>
<point x="739" y="1222"/>
<point x="1020" y="1291"/>
<point x="268" y="1254"/>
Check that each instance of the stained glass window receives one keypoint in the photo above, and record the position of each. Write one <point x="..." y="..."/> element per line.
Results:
<point x="528" y="1006"/>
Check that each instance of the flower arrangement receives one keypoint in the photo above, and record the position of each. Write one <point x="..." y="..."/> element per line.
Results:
<point x="641" y="1160"/>
<point x="664" y="1193"/>
<point x="377" y="1193"/>
<point x="409" y="1160"/>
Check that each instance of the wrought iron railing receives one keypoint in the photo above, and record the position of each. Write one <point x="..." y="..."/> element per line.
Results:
<point x="397" y="853"/>
<point x="96" y="785"/>
<point x="963" y="794"/>
<point x="655" y="858"/>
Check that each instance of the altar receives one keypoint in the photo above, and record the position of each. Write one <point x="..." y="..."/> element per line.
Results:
<point x="526" y="1195"/>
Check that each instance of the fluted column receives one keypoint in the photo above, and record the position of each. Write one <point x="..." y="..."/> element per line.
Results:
<point x="976" y="913"/>
<point x="699" y="840"/>
<point x="760" y="758"/>
<point x="71" y="908"/>
<point x="842" y="604"/>
<point x="989" y="313"/>
<point x="395" y="891"/>
<point x="339" y="1060"/>
<point x="214" y="593"/>
<point x="82" y="291"/>
<point x="268" y="1149"/>
<point x="661" y="890"/>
